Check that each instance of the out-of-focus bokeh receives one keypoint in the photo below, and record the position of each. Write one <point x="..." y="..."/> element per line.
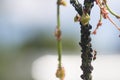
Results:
<point x="27" y="33"/>
<point x="106" y="67"/>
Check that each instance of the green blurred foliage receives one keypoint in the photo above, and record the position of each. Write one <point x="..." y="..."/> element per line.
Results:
<point x="16" y="61"/>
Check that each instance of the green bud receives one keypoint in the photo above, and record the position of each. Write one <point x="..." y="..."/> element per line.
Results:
<point x="85" y="19"/>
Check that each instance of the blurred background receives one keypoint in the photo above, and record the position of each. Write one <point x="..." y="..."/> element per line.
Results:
<point x="27" y="33"/>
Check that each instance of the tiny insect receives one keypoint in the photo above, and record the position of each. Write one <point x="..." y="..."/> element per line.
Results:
<point x="77" y="18"/>
<point x="94" y="54"/>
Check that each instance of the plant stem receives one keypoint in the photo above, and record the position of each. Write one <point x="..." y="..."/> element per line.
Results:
<point x="59" y="42"/>
<point x="60" y="73"/>
<point x="86" y="55"/>
<point x="58" y="15"/>
<point x="59" y="45"/>
<point x="100" y="18"/>
<point x="116" y="15"/>
<point x="85" y="42"/>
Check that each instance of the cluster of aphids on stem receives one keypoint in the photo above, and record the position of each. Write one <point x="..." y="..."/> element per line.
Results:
<point x="104" y="11"/>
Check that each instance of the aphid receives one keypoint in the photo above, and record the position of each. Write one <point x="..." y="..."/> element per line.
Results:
<point x="94" y="54"/>
<point x="77" y="18"/>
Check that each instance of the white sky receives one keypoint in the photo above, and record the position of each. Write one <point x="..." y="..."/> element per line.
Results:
<point x="28" y="11"/>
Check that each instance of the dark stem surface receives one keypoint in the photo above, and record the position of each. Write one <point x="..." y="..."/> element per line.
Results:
<point x="86" y="52"/>
<point x="85" y="42"/>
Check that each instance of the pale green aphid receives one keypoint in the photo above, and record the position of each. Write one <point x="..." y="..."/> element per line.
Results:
<point x="85" y="18"/>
